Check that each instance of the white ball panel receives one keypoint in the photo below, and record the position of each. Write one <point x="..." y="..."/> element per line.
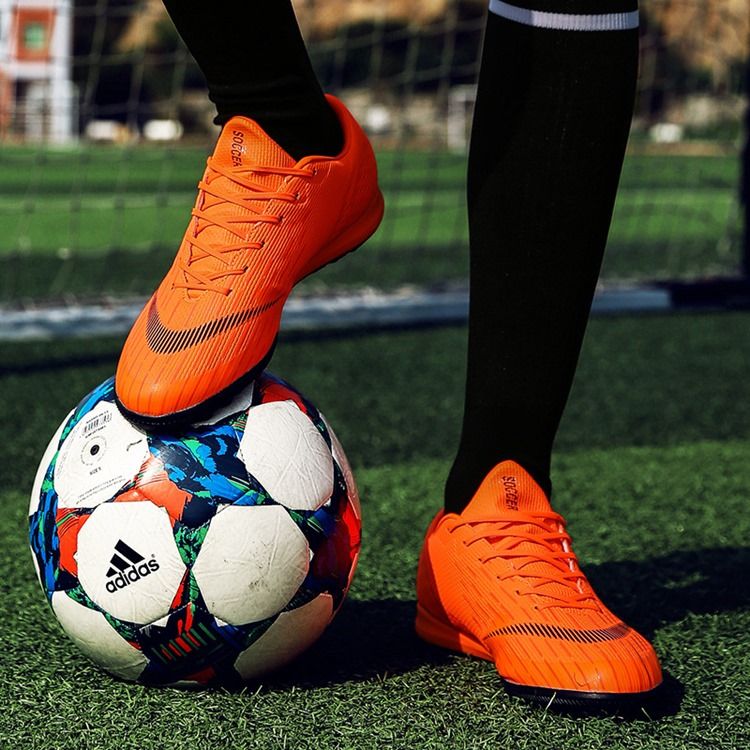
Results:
<point x="240" y="402"/>
<point x="285" y="452"/>
<point x="36" y="569"/>
<point x="340" y="457"/>
<point x="91" y="632"/>
<point x="162" y="622"/>
<point x="291" y="633"/>
<point x="49" y="454"/>
<point x="101" y="453"/>
<point x="128" y="562"/>
<point x="251" y="563"/>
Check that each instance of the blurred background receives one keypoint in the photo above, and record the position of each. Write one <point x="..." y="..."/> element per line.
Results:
<point x="105" y="125"/>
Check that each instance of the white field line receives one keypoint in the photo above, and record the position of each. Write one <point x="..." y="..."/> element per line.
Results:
<point x="356" y="310"/>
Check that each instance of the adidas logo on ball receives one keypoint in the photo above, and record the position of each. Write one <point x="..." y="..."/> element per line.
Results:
<point x="128" y="566"/>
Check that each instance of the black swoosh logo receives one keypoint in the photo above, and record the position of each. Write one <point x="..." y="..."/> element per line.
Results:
<point x="612" y="633"/>
<point x="163" y="340"/>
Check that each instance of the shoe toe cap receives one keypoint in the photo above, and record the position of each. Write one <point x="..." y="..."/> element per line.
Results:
<point x="153" y="383"/>
<point x="626" y="665"/>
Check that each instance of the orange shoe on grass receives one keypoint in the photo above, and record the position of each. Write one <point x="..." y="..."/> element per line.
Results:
<point x="501" y="582"/>
<point x="261" y="223"/>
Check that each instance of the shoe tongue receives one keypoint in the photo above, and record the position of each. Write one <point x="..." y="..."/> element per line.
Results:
<point x="243" y="143"/>
<point x="508" y="487"/>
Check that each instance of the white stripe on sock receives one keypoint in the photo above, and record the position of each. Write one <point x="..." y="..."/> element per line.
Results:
<point x="565" y="21"/>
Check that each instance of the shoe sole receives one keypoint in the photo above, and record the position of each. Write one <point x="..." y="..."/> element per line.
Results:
<point x="340" y="247"/>
<point x="433" y="630"/>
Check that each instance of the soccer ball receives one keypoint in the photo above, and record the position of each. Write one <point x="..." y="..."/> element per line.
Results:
<point x="205" y="557"/>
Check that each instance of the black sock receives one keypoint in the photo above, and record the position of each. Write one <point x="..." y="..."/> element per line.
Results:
<point x="550" y="126"/>
<point x="256" y="65"/>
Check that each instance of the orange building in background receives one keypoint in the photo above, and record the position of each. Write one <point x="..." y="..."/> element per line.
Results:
<point x="37" y="97"/>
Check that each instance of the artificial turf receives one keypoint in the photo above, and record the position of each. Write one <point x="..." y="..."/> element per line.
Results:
<point x="651" y="471"/>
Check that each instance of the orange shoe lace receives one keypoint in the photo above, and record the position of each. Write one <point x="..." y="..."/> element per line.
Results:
<point x="200" y="248"/>
<point x="510" y="536"/>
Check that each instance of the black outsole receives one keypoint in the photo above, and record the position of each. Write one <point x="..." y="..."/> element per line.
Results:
<point x="628" y="705"/>
<point x="184" y="419"/>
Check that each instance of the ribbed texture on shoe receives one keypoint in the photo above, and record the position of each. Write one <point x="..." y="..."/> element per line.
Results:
<point x="200" y="334"/>
<point x="473" y="601"/>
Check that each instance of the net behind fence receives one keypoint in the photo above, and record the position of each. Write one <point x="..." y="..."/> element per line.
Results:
<point x="105" y="127"/>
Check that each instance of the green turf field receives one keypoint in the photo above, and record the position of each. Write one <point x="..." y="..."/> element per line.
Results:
<point x="652" y="472"/>
<point x="108" y="219"/>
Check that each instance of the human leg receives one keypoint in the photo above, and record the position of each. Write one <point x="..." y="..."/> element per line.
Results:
<point x="551" y="123"/>
<point x="497" y="576"/>
<point x="256" y="65"/>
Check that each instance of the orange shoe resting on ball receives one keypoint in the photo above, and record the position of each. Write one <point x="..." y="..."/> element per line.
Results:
<point x="501" y="582"/>
<point x="261" y="223"/>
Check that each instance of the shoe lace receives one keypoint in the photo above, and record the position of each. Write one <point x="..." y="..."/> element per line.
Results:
<point x="199" y="245"/>
<point x="539" y="551"/>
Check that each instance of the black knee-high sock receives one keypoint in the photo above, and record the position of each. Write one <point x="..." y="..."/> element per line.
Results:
<point x="256" y="64"/>
<point x="550" y="126"/>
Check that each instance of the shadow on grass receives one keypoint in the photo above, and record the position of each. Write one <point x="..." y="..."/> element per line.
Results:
<point x="376" y="639"/>
<point x="367" y="640"/>
<point x="649" y="594"/>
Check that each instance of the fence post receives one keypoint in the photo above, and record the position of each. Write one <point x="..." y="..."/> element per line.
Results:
<point x="745" y="179"/>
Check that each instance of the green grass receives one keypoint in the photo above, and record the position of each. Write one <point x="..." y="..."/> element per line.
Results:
<point x="70" y="217"/>
<point x="651" y="471"/>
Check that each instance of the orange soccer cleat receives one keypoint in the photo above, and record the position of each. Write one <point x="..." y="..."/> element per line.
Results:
<point x="261" y="223"/>
<point x="501" y="582"/>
